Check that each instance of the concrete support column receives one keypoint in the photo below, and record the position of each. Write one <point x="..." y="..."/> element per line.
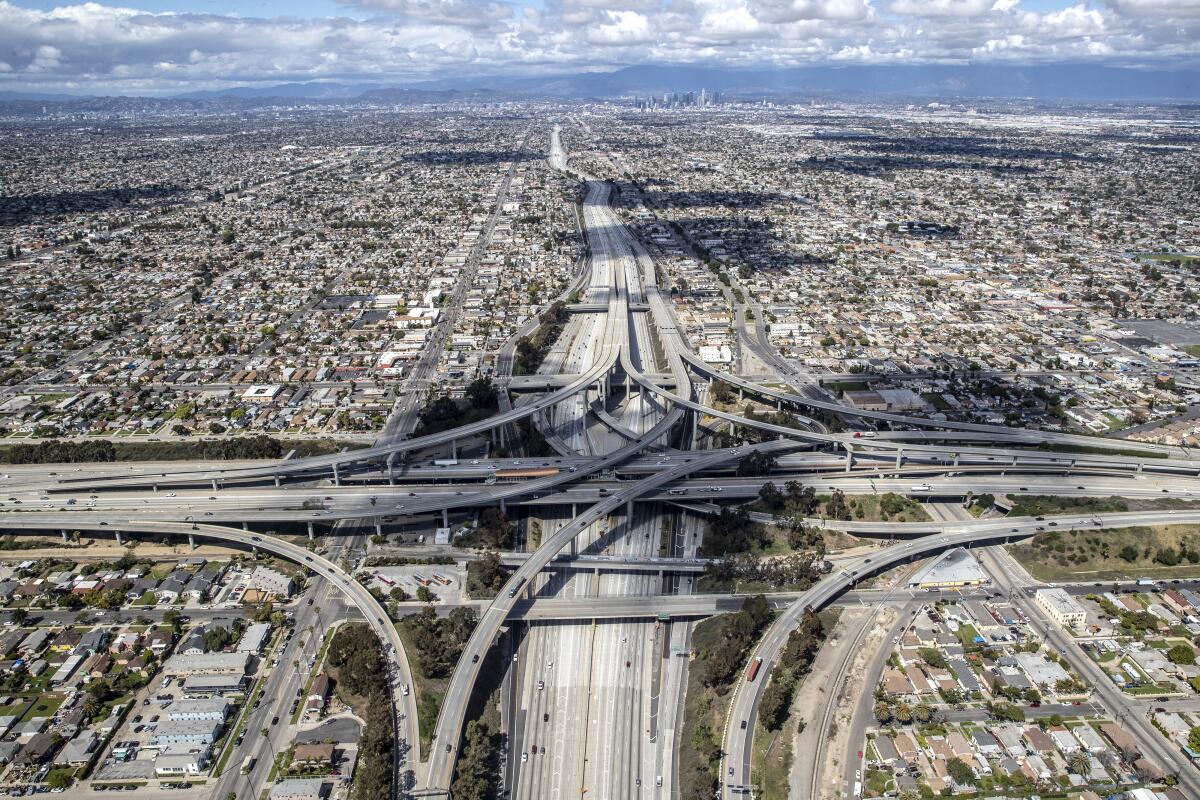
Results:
<point x="493" y="432"/>
<point x="119" y="537"/>
<point x="1140" y="465"/>
<point x="574" y="512"/>
<point x="899" y="457"/>
<point x="629" y="511"/>
<point x="956" y="456"/>
<point x="503" y="507"/>
<point x="310" y="532"/>
<point x="214" y="484"/>
<point x="276" y="480"/>
<point x="378" y="526"/>
<point x="337" y="478"/>
<point x="849" y="457"/>
<point x="245" y="526"/>
<point x="192" y="540"/>
<point x="65" y="537"/>
<point x="445" y="518"/>
<point x="454" y="449"/>
<point x="156" y="487"/>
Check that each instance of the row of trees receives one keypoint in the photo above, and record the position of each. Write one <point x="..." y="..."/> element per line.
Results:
<point x="477" y="773"/>
<point x="794" y="572"/>
<point x="736" y="636"/>
<point x="357" y="655"/>
<point x="532" y="349"/>
<point x="794" y="662"/>
<point x="61" y="452"/>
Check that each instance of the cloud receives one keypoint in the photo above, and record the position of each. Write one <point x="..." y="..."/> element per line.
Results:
<point x="97" y="47"/>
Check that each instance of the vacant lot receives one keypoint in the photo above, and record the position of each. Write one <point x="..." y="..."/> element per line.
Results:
<point x="1167" y="551"/>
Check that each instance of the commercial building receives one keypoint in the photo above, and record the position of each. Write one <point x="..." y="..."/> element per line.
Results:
<point x="954" y="569"/>
<point x="273" y="581"/>
<point x="185" y="731"/>
<point x="1061" y="607"/>
<point x="186" y="664"/>
<point x="208" y="685"/>
<point x="254" y="638"/>
<point x="300" y="789"/>
<point x="214" y="709"/>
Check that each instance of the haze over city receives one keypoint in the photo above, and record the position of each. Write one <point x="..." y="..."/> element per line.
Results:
<point x="465" y="399"/>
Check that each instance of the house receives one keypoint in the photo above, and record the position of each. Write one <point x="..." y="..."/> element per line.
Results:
<point x="316" y="754"/>
<point x="97" y="666"/>
<point x="1121" y="740"/>
<point x="985" y="742"/>
<point x="160" y="641"/>
<point x="37" y="750"/>
<point x="93" y="641"/>
<point x="79" y="750"/>
<point x="66" y="640"/>
<point x="1064" y="740"/>
<point x="34" y="643"/>
<point x="1038" y="741"/>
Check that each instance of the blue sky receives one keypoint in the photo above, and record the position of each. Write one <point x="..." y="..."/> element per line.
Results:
<point x="165" y="46"/>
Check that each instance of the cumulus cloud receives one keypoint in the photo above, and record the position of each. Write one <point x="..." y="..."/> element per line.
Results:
<point x="94" y="46"/>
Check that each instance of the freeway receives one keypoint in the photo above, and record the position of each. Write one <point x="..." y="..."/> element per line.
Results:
<point x="607" y="243"/>
<point x="324" y="505"/>
<point x="737" y="742"/>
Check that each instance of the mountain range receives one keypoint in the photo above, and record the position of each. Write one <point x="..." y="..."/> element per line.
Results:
<point x="1059" y="82"/>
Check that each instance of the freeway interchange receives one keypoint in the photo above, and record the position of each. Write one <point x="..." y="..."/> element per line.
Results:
<point x="586" y="681"/>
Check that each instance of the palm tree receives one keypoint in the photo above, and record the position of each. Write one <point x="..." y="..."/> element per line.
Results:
<point x="1078" y="763"/>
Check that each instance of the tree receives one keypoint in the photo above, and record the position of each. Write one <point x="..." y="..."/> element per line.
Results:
<point x="904" y="714"/>
<point x="776" y="699"/>
<point x="1078" y="763"/>
<point x="883" y="712"/>
<point x="424" y="595"/>
<point x="1129" y="553"/>
<point x="172" y="619"/>
<point x="772" y="499"/>
<point x="18" y="616"/>
<point x="1181" y="654"/>
<point x="960" y="772"/>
